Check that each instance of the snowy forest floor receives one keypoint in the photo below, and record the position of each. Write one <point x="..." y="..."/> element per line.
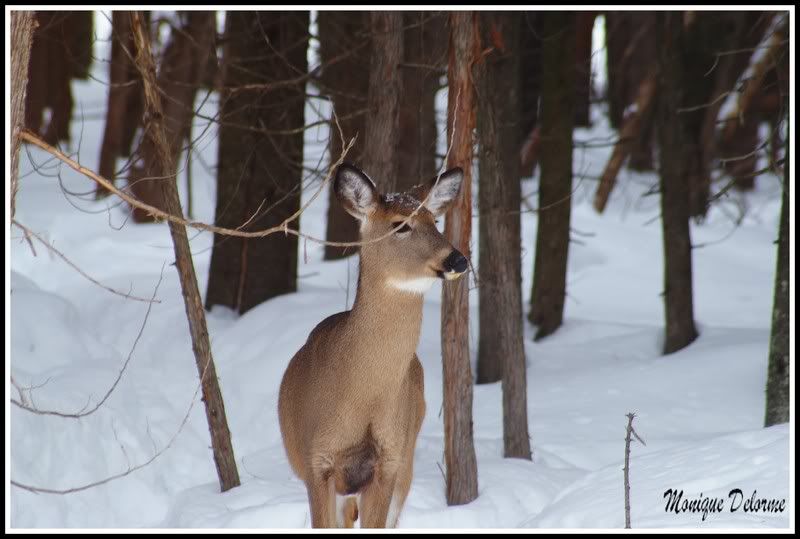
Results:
<point x="700" y="410"/>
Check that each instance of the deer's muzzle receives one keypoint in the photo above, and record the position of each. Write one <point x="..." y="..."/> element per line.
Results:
<point x="453" y="266"/>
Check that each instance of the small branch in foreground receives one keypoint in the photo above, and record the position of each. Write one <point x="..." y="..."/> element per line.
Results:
<point x="628" y="431"/>
<point x="27" y="406"/>
<point x="28" y="233"/>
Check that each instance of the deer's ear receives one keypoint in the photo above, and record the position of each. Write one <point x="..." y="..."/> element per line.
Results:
<point x="355" y="190"/>
<point x="441" y="194"/>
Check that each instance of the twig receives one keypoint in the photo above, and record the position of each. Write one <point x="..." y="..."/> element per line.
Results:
<point x="628" y="431"/>
<point x="77" y="415"/>
<point x="28" y="232"/>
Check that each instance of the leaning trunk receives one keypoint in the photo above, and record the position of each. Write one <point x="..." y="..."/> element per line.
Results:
<point x="221" y="446"/>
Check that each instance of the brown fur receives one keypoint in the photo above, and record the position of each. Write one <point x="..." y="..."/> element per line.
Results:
<point x="351" y="401"/>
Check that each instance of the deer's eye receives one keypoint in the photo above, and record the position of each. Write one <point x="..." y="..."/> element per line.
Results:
<point x="403" y="229"/>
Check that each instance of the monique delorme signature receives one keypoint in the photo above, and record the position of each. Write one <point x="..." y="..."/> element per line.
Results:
<point x="736" y="501"/>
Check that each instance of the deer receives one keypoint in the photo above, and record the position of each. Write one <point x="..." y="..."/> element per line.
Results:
<point x="351" y="401"/>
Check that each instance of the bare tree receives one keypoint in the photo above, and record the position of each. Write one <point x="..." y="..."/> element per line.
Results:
<point x="125" y="99"/>
<point x="383" y="120"/>
<point x="460" y="461"/>
<point x="678" y="306"/>
<point x="212" y="396"/>
<point x="501" y="351"/>
<point x="778" y="404"/>
<point x="22" y="29"/>
<point x="180" y="74"/>
<point x="424" y="61"/>
<point x="555" y="184"/>
<point x="259" y="175"/>
<point x="345" y="50"/>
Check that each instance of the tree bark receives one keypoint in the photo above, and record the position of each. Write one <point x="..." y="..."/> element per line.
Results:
<point x="584" y="24"/>
<point x="679" y="311"/>
<point x="224" y="458"/>
<point x="555" y="187"/>
<point x="259" y="175"/>
<point x="180" y="75"/>
<point x="460" y="462"/>
<point x="425" y="53"/>
<point x="125" y="98"/>
<point x="49" y="76"/>
<point x="531" y="82"/>
<point x="501" y="351"/>
<point x="778" y="403"/>
<point x="346" y="80"/>
<point x="22" y="28"/>
<point x="383" y="120"/>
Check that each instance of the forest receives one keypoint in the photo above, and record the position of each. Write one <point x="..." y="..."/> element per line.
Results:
<point x="575" y="226"/>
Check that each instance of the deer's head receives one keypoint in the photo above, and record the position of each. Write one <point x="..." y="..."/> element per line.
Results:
<point x="412" y="257"/>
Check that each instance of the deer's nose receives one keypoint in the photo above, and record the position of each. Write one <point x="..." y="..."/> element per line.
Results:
<point x="454" y="265"/>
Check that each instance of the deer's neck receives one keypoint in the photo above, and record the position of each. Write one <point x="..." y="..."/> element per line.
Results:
<point x="390" y="320"/>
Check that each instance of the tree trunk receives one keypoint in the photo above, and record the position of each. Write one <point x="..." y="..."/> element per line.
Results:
<point x="346" y="80"/>
<point x="501" y="351"/>
<point x="679" y="312"/>
<point x="224" y="458"/>
<point x="778" y="371"/>
<point x="632" y="48"/>
<point x="22" y="28"/>
<point x="259" y="174"/>
<point x="424" y="42"/>
<point x="531" y="82"/>
<point x="125" y="98"/>
<point x="49" y="77"/>
<point x="584" y="24"/>
<point x="383" y="120"/>
<point x="180" y="75"/>
<point x="704" y="37"/>
<point x="460" y="462"/>
<point x="555" y="187"/>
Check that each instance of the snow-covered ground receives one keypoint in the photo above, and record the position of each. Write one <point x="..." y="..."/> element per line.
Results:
<point x="700" y="411"/>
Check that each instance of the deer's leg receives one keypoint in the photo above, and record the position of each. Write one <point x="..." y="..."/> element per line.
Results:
<point x="376" y="498"/>
<point x="322" y="500"/>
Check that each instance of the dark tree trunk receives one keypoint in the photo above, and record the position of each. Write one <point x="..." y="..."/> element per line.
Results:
<point x="221" y="445"/>
<point x="679" y="312"/>
<point x="49" y="77"/>
<point x="345" y="54"/>
<point x="80" y="34"/>
<point x="459" y="450"/>
<point x="125" y="98"/>
<point x="501" y="352"/>
<point x="425" y="53"/>
<point x="531" y="82"/>
<point x="180" y="75"/>
<point x="632" y="48"/>
<point x="259" y="174"/>
<point x="704" y="37"/>
<point x="22" y="28"/>
<point x="552" y="235"/>
<point x="778" y="371"/>
<point x="383" y="119"/>
<point x="584" y="23"/>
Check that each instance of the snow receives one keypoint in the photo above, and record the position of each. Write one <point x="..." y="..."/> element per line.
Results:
<point x="700" y="410"/>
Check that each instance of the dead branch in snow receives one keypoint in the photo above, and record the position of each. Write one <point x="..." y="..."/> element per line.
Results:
<point x="628" y="431"/>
